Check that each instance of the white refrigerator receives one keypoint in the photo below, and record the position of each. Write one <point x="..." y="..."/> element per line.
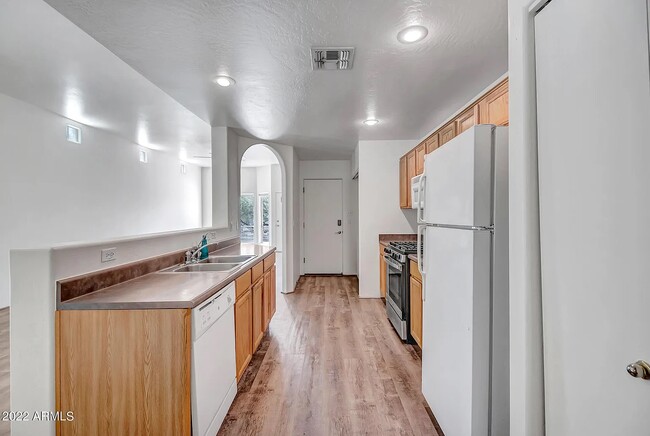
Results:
<point x="463" y="225"/>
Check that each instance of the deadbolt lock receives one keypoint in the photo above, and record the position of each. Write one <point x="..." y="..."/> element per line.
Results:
<point x="639" y="369"/>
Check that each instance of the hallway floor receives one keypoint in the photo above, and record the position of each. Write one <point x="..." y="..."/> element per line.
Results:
<point x="331" y="364"/>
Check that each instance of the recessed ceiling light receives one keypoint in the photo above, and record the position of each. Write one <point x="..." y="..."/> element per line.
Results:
<point x="412" y="34"/>
<point x="224" y="81"/>
<point x="371" y="122"/>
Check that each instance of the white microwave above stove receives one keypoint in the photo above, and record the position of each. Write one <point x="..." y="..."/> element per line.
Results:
<point x="417" y="192"/>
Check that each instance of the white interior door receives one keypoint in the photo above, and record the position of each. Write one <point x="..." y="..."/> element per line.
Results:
<point x="593" y="96"/>
<point x="323" y="247"/>
<point x="277" y="221"/>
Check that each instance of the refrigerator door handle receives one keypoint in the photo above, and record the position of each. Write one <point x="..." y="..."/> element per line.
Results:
<point x="420" y="248"/>
<point x="420" y="210"/>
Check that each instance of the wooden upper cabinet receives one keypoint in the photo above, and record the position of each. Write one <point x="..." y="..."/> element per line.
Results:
<point x="431" y="143"/>
<point x="447" y="133"/>
<point x="467" y="119"/>
<point x="494" y="106"/>
<point x="404" y="186"/>
<point x="411" y="164"/>
<point x="420" y="151"/>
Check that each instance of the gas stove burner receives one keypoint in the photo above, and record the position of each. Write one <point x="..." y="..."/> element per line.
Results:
<point x="406" y="247"/>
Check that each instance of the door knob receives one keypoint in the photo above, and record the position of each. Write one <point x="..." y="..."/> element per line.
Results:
<point x="339" y="232"/>
<point x="639" y="369"/>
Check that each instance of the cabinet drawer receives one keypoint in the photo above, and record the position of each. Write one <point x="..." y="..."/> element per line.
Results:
<point x="269" y="262"/>
<point x="258" y="270"/>
<point x="242" y="284"/>
<point x="415" y="272"/>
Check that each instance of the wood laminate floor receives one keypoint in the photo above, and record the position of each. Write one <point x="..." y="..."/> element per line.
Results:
<point x="331" y="364"/>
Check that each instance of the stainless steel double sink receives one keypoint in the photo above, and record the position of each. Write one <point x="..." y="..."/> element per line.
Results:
<point x="212" y="264"/>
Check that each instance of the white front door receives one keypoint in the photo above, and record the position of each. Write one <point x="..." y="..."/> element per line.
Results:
<point x="593" y="96"/>
<point x="277" y="221"/>
<point x="323" y="247"/>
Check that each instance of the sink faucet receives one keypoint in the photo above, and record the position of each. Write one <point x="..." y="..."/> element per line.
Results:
<point x="192" y="255"/>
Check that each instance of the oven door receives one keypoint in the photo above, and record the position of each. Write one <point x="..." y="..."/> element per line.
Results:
<point x="394" y="285"/>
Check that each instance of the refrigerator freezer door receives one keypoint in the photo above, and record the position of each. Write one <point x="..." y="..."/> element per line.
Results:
<point x="459" y="180"/>
<point x="456" y="329"/>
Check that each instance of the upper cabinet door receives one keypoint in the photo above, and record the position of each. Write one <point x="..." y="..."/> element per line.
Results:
<point x="494" y="107"/>
<point x="467" y="119"/>
<point x="448" y="133"/>
<point x="420" y="151"/>
<point x="410" y="170"/>
<point x="431" y="143"/>
<point x="404" y="186"/>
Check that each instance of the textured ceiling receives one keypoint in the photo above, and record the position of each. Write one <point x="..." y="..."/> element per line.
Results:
<point x="264" y="46"/>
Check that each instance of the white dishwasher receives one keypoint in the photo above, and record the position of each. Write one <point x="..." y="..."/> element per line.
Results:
<point x="214" y="380"/>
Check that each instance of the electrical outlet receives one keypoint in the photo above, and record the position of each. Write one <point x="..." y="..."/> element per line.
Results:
<point x="109" y="254"/>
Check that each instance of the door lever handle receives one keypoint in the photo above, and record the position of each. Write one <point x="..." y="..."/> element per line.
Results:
<point x="639" y="369"/>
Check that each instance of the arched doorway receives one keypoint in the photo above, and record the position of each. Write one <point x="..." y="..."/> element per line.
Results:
<point x="262" y="204"/>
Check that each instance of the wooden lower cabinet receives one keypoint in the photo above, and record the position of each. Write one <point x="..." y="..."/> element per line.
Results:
<point x="382" y="272"/>
<point x="258" y="306"/>
<point x="124" y="371"/>
<point x="267" y="299"/>
<point x="274" y="295"/>
<point x="253" y="312"/>
<point x="416" y="310"/>
<point x="243" y="331"/>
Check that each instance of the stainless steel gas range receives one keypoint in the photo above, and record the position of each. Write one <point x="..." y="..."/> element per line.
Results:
<point x="398" y="296"/>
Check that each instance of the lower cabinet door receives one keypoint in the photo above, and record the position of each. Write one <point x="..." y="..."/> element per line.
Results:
<point x="243" y="332"/>
<point x="258" y="314"/>
<point x="267" y="299"/>
<point x="416" y="310"/>
<point x="274" y="291"/>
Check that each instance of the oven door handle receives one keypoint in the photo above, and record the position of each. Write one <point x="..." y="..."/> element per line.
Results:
<point x="391" y="262"/>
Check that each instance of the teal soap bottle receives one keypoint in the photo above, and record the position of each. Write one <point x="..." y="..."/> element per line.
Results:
<point x="204" y="247"/>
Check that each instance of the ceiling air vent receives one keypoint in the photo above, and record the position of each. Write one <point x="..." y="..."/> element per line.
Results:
<point x="332" y="58"/>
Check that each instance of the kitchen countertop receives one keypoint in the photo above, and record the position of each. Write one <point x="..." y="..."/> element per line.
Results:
<point x="169" y="290"/>
<point x="413" y="257"/>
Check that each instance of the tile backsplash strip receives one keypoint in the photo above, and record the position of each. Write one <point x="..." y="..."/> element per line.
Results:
<point x="84" y="284"/>
<point x="398" y="237"/>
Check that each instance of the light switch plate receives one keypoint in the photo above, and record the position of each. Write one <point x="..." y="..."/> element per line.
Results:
<point x="109" y="254"/>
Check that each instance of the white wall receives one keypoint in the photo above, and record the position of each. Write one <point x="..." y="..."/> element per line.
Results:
<point x="54" y="191"/>
<point x="379" y="210"/>
<point x="333" y="169"/>
<point x="206" y="197"/>
<point x="526" y="371"/>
